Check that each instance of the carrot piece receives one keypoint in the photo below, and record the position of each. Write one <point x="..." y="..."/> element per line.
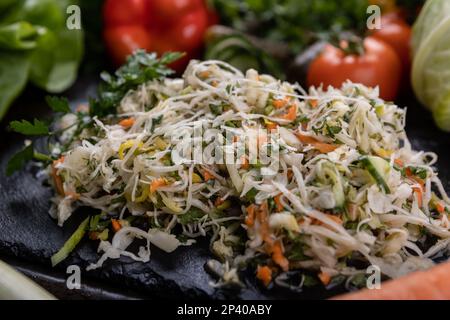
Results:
<point x="116" y="225"/>
<point x="207" y="175"/>
<point x="399" y="162"/>
<point x="205" y="74"/>
<point x="262" y="216"/>
<point x="290" y="174"/>
<point x="325" y="147"/>
<point x="157" y="183"/>
<point x="440" y="207"/>
<point x="218" y="201"/>
<point x="313" y="103"/>
<point x="278" y="205"/>
<point x="291" y="113"/>
<point x="410" y="175"/>
<point x="250" y="217"/>
<point x="127" y="123"/>
<point x="325" y="278"/>
<point x="279" y="103"/>
<point x="244" y="163"/>
<point x="271" y="125"/>
<point x="56" y="177"/>
<point x="336" y="219"/>
<point x="408" y="172"/>
<point x="419" y="194"/>
<point x="264" y="274"/>
<point x="419" y="181"/>
<point x="278" y="256"/>
<point x="322" y="147"/>
<point x="306" y="139"/>
<point x="432" y="284"/>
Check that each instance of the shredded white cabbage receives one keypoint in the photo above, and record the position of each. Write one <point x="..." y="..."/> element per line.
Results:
<point x="317" y="205"/>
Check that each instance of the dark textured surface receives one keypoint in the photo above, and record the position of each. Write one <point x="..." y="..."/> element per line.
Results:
<point x="29" y="236"/>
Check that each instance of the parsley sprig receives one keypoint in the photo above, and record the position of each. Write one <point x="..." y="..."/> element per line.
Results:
<point x="139" y="68"/>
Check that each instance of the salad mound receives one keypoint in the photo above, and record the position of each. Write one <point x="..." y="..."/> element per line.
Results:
<point x="342" y="189"/>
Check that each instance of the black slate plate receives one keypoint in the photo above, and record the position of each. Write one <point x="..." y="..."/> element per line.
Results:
<point x="29" y="236"/>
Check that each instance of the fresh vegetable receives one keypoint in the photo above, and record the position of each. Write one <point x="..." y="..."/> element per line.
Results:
<point x="276" y="31"/>
<point x="36" y="46"/>
<point x="325" y="278"/>
<point x="322" y="147"/>
<point x="379" y="169"/>
<point x="378" y="65"/>
<point x="116" y="225"/>
<point x="430" y="70"/>
<point x="298" y="23"/>
<point x="318" y="207"/>
<point x="421" y="285"/>
<point x="71" y="243"/>
<point x="140" y="68"/>
<point x="19" y="160"/>
<point x="15" y="286"/>
<point x="397" y="33"/>
<point x="155" y="25"/>
<point x="264" y="273"/>
<point x="239" y="51"/>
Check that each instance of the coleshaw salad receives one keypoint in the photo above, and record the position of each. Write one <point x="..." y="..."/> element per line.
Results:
<point x="346" y="191"/>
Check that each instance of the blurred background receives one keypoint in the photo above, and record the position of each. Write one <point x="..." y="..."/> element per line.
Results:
<point x="311" y="42"/>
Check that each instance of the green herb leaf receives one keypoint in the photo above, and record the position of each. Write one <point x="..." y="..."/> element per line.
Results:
<point x="191" y="216"/>
<point x="14" y="70"/>
<point x="416" y="171"/>
<point x="310" y="281"/>
<point x="19" y="159"/>
<point x="170" y="57"/>
<point x="139" y="68"/>
<point x="38" y="128"/>
<point x="251" y="194"/>
<point x="333" y="130"/>
<point x="58" y="104"/>
<point x="93" y="222"/>
<point x="71" y="243"/>
<point x="216" y="109"/>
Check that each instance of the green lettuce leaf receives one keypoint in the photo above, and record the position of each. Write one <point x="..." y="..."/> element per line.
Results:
<point x="14" y="70"/>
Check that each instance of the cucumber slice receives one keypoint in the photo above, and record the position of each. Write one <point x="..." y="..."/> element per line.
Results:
<point x="328" y="174"/>
<point x="379" y="170"/>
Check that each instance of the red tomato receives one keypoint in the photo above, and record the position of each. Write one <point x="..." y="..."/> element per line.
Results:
<point x="213" y="17"/>
<point x="173" y="9"/>
<point x="121" y="41"/>
<point x="125" y="12"/>
<point x="397" y="33"/>
<point x="156" y="25"/>
<point x="187" y="33"/>
<point x="378" y="66"/>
